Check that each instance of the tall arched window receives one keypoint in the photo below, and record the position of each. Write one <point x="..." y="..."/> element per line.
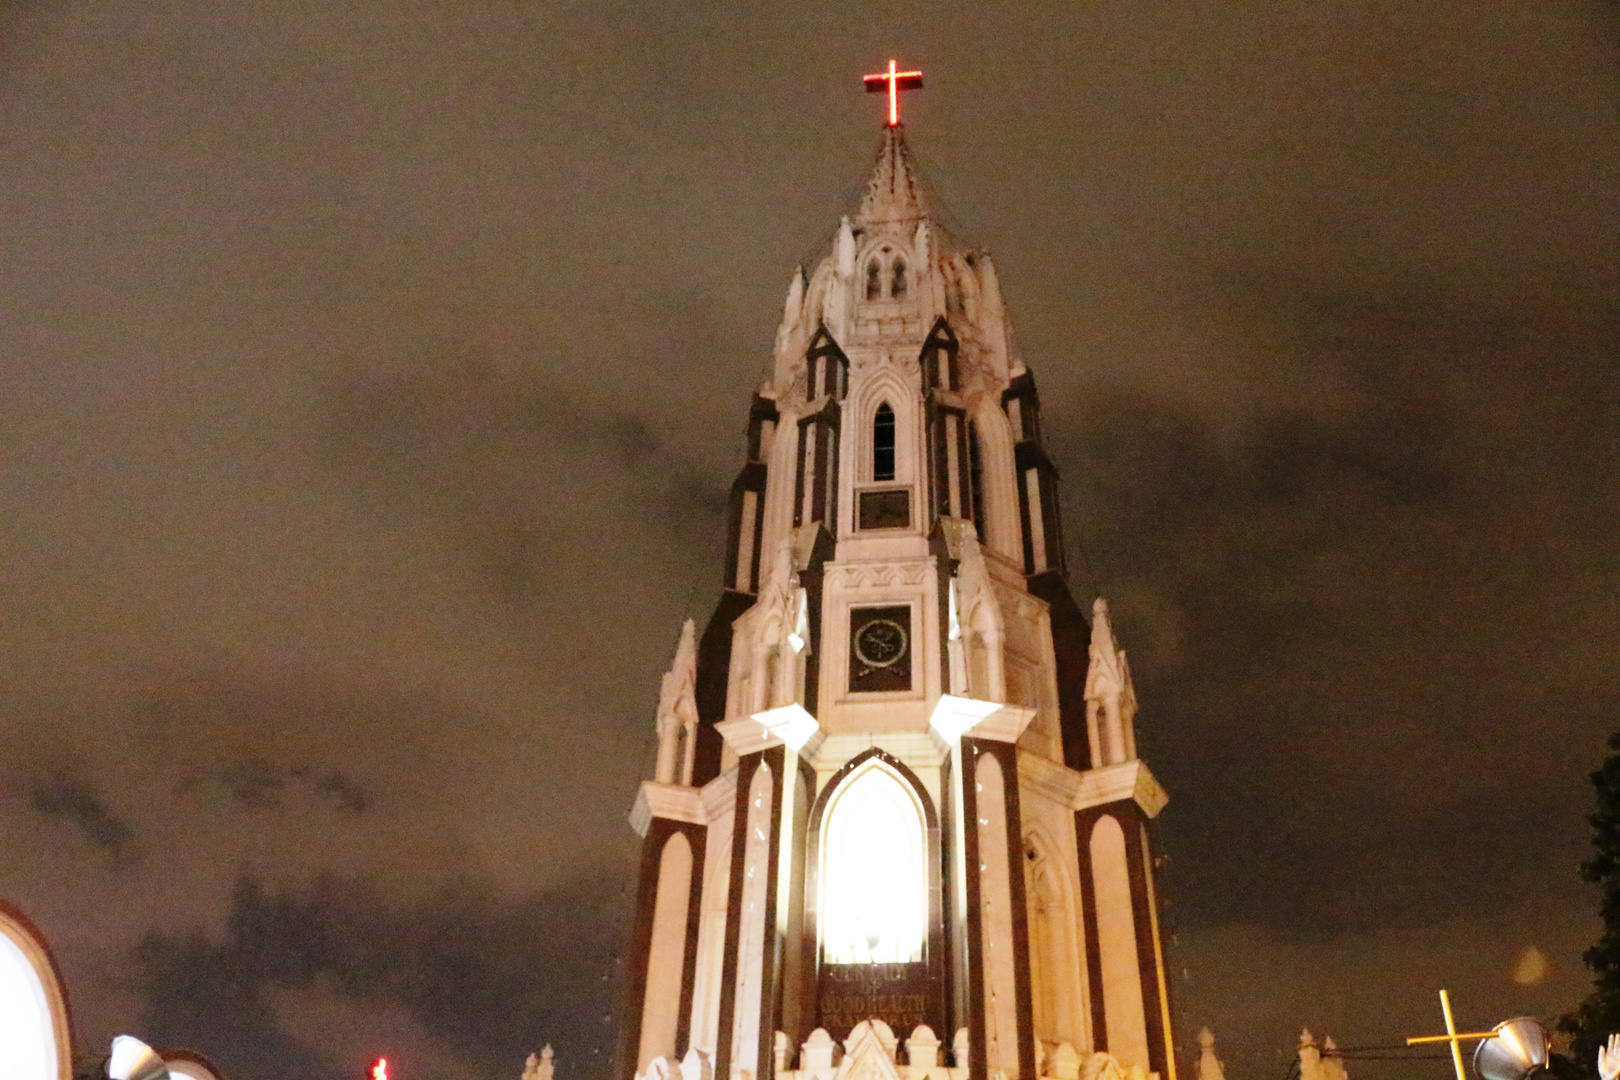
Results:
<point x="897" y="283"/>
<point x="33" y="1018"/>
<point x="874" y="871"/>
<point x="883" y="443"/>
<point x="874" y="280"/>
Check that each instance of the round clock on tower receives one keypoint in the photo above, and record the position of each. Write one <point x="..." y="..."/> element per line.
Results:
<point x="898" y="826"/>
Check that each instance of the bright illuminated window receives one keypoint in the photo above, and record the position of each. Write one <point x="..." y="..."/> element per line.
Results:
<point x="874" y="871"/>
<point x="26" y="1029"/>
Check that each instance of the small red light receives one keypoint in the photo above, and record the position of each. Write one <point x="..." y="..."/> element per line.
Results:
<point x="379" y="1071"/>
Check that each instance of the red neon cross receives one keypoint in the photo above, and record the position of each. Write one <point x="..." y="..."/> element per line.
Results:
<point x="893" y="81"/>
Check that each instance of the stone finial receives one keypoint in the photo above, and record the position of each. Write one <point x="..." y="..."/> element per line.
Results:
<point x="844" y="249"/>
<point x="1332" y="1061"/>
<point x="1110" y="697"/>
<point x="959" y="1048"/>
<point x="1064" y="1063"/>
<point x="922" y="1048"/>
<point x="1310" y="1058"/>
<point x="677" y="711"/>
<point x="539" y="1067"/>
<point x="795" y="296"/>
<point x="792" y="311"/>
<point x="1209" y="1066"/>
<point x="817" y="1051"/>
<point x="696" y="1066"/>
<point x="779" y="1051"/>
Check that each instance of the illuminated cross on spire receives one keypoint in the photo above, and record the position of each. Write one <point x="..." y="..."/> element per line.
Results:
<point x="893" y="81"/>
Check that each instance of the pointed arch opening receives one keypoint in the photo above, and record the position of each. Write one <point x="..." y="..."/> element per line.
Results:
<point x="883" y="443"/>
<point x="1057" y="994"/>
<point x="897" y="280"/>
<point x="874" y="279"/>
<point x="874" y="871"/>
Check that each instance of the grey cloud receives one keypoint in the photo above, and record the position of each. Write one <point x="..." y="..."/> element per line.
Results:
<point x="490" y="977"/>
<point x="76" y="803"/>
<point x="372" y="382"/>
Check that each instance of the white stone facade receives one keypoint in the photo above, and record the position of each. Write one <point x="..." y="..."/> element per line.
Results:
<point x="897" y="781"/>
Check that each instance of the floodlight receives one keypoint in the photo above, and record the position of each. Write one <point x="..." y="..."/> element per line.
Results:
<point x="134" y="1060"/>
<point x="1516" y="1049"/>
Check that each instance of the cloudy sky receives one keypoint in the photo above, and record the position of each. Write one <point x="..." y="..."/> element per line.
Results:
<point x="371" y="376"/>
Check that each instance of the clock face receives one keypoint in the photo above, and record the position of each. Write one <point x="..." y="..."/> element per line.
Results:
<point x="880" y="643"/>
<point x="880" y="649"/>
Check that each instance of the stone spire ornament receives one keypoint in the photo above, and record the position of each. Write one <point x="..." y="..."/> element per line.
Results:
<point x="1332" y="1061"/>
<point x="541" y="1066"/>
<point x="677" y="711"/>
<point x="1110" y="697"/>
<point x="892" y="194"/>
<point x="1209" y="1066"/>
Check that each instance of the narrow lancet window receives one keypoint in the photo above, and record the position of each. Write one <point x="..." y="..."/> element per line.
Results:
<point x="883" y="443"/>
<point x="874" y="281"/>
<point x="897" y="285"/>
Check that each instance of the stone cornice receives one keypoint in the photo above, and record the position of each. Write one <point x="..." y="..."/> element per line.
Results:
<point x="917" y="750"/>
<point x="786" y="725"/>
<point x="1116" y="783"/>
<point x="954" y="717"/>
<point x="720" y="795"/>
<point x="673" y="801"/>
<point x="746" y="735"/>
<point x="1129" y="780"/>
<point x="1056" y="781"/>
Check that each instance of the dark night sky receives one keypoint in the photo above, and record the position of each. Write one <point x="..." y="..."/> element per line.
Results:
<point x="371" y="376"/>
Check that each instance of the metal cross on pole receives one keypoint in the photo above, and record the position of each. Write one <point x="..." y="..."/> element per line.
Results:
<point x="1451" y="1036"/>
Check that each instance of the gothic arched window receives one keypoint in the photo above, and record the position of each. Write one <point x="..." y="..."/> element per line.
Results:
<point x="883" y="443"/>
<point x="897" y="283"/>
<point x="874" y="280"/>
<point x="32" y="1018"/>
<point x="874" y="871"/>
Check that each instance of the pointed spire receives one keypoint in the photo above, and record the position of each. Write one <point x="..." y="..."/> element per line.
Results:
<point x="677" y="711"/>
<point x="844" y="248"/>
<point x="1108" y="673"/>
<point x="1209" y="1066"/>
<point x="892" y="194"/>
<point x="1332" y="1061"/>
<point x="1110" y="697"/>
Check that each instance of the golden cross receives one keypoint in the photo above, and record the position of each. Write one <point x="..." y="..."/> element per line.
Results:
<point x="1451" y="1036"/>
<point x="893" y="81"/>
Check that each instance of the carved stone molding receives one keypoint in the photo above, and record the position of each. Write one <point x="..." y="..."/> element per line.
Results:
<point x="672" y="801"/>
<point x="872" y="575"/>
<point x="954" y="717"/>
<point x="1115" y="783"/>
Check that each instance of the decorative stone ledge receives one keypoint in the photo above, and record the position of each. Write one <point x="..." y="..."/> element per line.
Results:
<point x="1093" y="787"/>
<point x="672" y="801"/>
<point x="954" y="717"/>
<point x="1115" y="783"/>
<point x="787" y="725"/>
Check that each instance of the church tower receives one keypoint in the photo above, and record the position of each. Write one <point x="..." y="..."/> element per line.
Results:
<point x="897" y="797"/>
